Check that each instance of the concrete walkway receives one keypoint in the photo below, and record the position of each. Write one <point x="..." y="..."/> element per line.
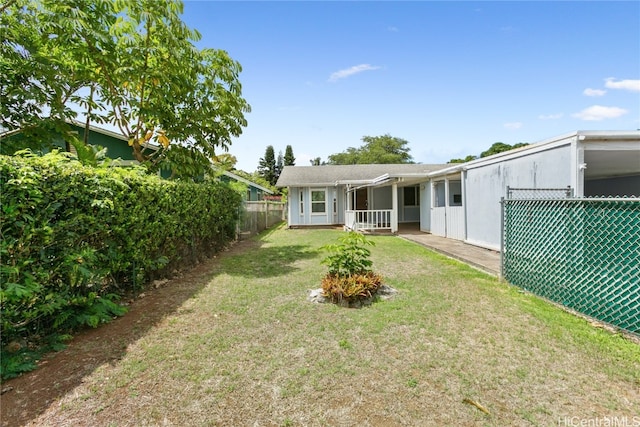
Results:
<point x="477" y="257"/>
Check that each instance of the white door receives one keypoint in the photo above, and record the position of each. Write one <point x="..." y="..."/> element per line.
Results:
<point x="439" y="221"/>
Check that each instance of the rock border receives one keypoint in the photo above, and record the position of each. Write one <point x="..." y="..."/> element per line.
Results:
<point x="383" y="293"/>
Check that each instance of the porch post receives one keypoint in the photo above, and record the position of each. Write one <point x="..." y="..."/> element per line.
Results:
<point x="394" y="207"/>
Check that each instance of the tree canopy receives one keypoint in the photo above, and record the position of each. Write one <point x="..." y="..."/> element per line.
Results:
<point x="130" y="63"/>
<point x="496" y="147"/>
<point x="384" y="149"/>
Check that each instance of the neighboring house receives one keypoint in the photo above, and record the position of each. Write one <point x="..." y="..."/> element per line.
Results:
<point x="255" y="192"/>
<point x="118" y="148"/>
<point x="462" y="201"/>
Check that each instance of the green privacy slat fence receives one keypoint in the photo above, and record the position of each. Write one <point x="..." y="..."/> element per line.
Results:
<point x="582" y="253"/>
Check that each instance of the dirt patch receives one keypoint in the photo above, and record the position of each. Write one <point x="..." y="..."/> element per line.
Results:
<point x="26" y="397"/>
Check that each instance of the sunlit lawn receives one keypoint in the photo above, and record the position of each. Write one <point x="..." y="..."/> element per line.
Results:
<point x="249" y="349"/>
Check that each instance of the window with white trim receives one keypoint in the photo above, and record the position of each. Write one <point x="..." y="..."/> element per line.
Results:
<point x="301" y="202"/>
<point x="318" y="201"/>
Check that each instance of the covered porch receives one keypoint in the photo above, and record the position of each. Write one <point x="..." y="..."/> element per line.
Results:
<point x="384" y="203"/>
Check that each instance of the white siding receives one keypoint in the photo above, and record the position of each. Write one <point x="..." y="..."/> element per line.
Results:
<point x="425" y="207"/>
<point x="487" y="184"/>
<point x="455" y="222"/>
<point x="306" y="216"/>
<point x="294" y="206"/>
<point x="439" y="221"/>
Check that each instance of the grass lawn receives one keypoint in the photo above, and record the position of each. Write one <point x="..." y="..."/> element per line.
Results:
<point x="249" y="349"/>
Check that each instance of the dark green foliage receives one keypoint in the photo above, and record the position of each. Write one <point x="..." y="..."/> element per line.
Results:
<point x="267" y="166"/>
<point x="500" y="147"/>
<point x="384" y="149"/>
<point x="469" y="158"/>
<point x="75" y="237"/>
<point x="289" y="159"/>
<point x="317" y="162"/>
<point x="496" y="147"/>
<point x="279" y="165"/>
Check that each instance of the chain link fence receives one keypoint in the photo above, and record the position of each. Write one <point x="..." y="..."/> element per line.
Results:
<point x="581" y="253"/>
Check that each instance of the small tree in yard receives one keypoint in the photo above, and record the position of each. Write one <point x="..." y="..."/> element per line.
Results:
<point x="350" y="277"/>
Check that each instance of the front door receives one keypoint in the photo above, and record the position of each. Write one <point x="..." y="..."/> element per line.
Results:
<point x="362" y="200"/>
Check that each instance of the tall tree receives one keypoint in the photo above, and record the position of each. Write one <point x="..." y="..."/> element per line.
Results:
<point x="279" y="165"/>
<point x="317" y="162"/>
<point x="130" y="63"/>
<point x="376" y="149"/>
<point x="267" y="166"/>
<point x="289" y="160"/>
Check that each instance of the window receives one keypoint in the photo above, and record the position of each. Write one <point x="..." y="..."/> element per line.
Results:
<point x="455" y="193"/>
<point x="318" y="201"/>
<point x="439" y="199"/>
<point x="301" y="202"/>
<point x="412" y="196"/>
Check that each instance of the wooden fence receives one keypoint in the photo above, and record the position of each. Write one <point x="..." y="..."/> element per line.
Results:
<point x="257" y="216"/>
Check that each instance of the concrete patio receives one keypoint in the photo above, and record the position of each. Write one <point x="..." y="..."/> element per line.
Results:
<point x="483" y="259"/>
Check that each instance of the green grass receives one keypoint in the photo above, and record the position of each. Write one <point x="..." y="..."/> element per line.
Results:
<point x="250" y="349"/>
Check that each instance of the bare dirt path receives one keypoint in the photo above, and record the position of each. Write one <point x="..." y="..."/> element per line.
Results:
<point x="26" y="397"/>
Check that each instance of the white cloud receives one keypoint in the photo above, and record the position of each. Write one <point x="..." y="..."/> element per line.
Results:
<point x="599" y="112"/>
<point x="513" y="126"/>
<point x="550" y="116"/>
<point x="632" y="85"/>
<point x="392" y="29"/>
<point x="594" y="92"/>
<point x="342" y="74"/>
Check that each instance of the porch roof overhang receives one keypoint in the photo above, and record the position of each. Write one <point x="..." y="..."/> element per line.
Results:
<point x="384" y="180"/>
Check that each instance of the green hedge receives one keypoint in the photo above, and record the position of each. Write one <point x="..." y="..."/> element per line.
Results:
<point x="75" y="238"/>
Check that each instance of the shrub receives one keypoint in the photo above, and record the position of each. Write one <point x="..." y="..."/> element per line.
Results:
<point x="75" y="238"/>
<point x="350" y="288"/>
<point x="350" y="277"/>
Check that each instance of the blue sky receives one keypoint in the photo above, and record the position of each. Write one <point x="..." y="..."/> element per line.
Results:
<point x="451" y="78"/>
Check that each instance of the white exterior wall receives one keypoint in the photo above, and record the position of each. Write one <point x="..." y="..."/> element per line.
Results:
<point x="486" y="184"/>
<point x="293" y="200"/>
<point x="455" y="222"/>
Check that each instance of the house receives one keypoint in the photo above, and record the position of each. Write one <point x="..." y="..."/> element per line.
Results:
<point x="370" y="197"/>
<point x="462" y="201"/>
<point x="118" y="148"/>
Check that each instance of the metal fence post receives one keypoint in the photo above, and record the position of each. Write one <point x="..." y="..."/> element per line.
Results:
<point x="502" y="235"/>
